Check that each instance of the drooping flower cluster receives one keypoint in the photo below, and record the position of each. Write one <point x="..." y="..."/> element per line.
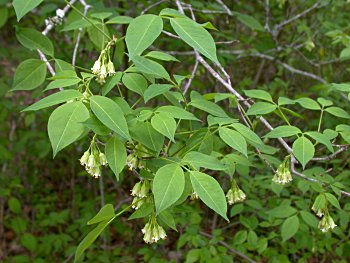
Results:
<point x="326" y="223"/>
<point x="135" y="159"/>
<point x="235" y="194"/>
<point x="194" y="196"/>
<point x="104" y="66"/>
<point x="153" y="231"/>
<point x="93" y="159"/>
<point x="321" y="210"/>
<point x="283" y="175"/>
<point x="140" y="191"/>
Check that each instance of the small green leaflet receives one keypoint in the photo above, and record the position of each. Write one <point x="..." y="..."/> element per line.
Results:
<point x="105" y="213"/>
<point x="247" y="133"/>
<point x="116" y="155"/>
<point x="33" y="39"/>
<point x="165" y="124"/>
<point x="321" y="138"/>
<point x="250" y="22"/>
<point x="308" y="103"/>
<point x="142" y="32"/>
<point x="283" y="131"/>
<point x="177" y="113"/>
<point x="120" y="20"/>
<point x="156" y="89"/>
<point x="199" y="102"/>
<point x="195" y="36"/>
<point x="29" y="74"/>
<point x="62" y="83"/>
<point x="53" y="99"/>
<point x="65" y="125"/>
<point x="135" y="82"/>
<point x="110" y="114"/>
<point x="161" y="56"/>
<point x="303" y="150"/>
<point x="198" y="160"/>
<point x="338" y="112"/>
<point x="111" y="83"/>
<point x="168" y="185"/>
<point x="289" y="228"/>
<point x="22" y="7"/>
<point x="210" y="192"/>
<point x="233" y="139"/>
<point x="144" y="133"/>
<point x="96" y="36"/>
<point x="261" y="108"/>
<point x="151" y="67"/>
<point x="258" y="94"/>
<point x="91" y="237"/>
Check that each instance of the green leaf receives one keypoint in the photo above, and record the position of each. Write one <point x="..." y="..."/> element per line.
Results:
<point x="168" y="219"/>
<point x="258" y="94"/>
<point x="345" y="87"/>
<point x="195" y="36"/>
<point x="14" y="205"/>
<point x="333" y="200"/>
<point x="198" y="159"/>
<point x="282" y="211"/>
<point x="29" y="74"/>
<point x="156" y="89"/>
<point x="161" y="56"/>
<point x="29" y="241"/>
<point x="65" y="124"/>
<point x="338" y="112"/>
<point x="199" y="102"/>
<point x="96" y="126"/>
<point x="309" y="218"/>
<point x="250" y="22"/>
<point x="116" y="155"/>
<point x="321" y="138"/>
<point x="62" y="83"/>
<point x="90" y="238"/>
<point x="3" y="15"/>
<point x="149" y="66"/>
<point x="33" y="39"/>
<point x="80" y="23"/>
<point x="308" y="103"/>
<point x="144" y="133"/>
<point x="233" y="139"/>
<point x="145" y="210"/>
<point x="110" y="114"/>
<point x="289" y="228"/>
<point x="177" y="113"/>
<point x="111" y="83"/>
<point x="168" y="185"/>
<point x="96" y="36"/>
<point x="120" y="20"/>
<point x="261" y="108"/>
<point x="247" y="133"/>
<point x="165" y="124"/>
<point x="345" y="54"/>
<point x="303" y="150"/>
<point x="283" y="131"/>
<point x="142" y="32"/>
<point x="135" y="82"/>
<point x="105" y="213"/>
<point x="210" y="192"/>
<point x="53" y="99"/>
<point x="22" y="7"/>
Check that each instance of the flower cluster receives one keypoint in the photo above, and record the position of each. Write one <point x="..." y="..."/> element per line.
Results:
<point x="93" y="159"/>
<point x="140" y="191"/>
<point x="104" y="66"/>
<point x="153" y="231"/>
<point x="326" y="223"/>
<point x="283" y="175"/>
<point x="321" y="210"/>
<point x="235" y="194"/>
<point x="135" y="159"/>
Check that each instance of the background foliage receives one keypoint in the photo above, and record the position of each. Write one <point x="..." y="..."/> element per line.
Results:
<point x="291" y="57"/>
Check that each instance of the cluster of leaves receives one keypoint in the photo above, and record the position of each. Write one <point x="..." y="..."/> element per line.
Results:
<point x="198" y="145"/>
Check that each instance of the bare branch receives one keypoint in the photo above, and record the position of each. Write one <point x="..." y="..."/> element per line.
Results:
<point x="86" y="8"/>
<point x="152" y="5"/>
<point x="228" y="11"/>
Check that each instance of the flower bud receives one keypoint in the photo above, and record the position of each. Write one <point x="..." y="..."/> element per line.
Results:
<point x="84" y="159"/>
<point x="136" y="189"/>
<point x="144" y="189"/>
<point x="96" y="68"/>
<point x="326" y="223"/>
<point x="283" y="175"/>
<point x="110" y="68"/>
<point x="131" y="161"/>
<point x="102" y="157"/>
<point x="194" y="196"/>
<point x="91" y="161"/>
